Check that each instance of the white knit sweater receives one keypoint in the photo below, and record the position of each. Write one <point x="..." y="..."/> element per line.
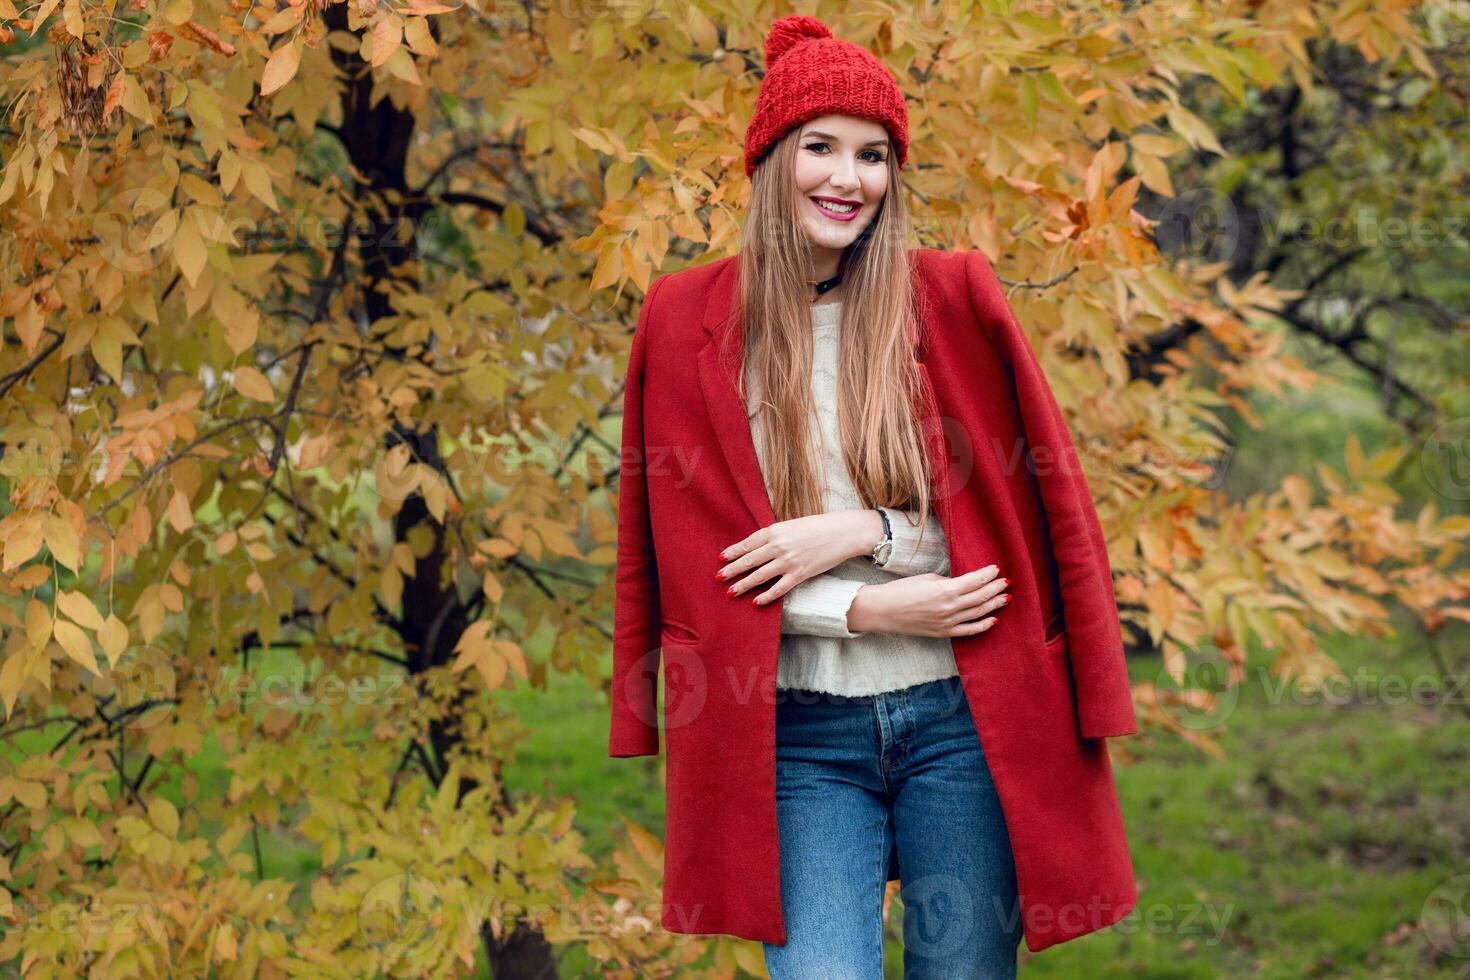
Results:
<point x="818" y="651"/>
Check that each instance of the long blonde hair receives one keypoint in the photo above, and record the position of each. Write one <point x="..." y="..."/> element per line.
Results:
<point x="878" y="382"/>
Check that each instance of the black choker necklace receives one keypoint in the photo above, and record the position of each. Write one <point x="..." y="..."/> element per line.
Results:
<point x="827" y="284"/>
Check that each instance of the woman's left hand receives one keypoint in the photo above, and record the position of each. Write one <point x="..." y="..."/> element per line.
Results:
<point x="795" y="550"/>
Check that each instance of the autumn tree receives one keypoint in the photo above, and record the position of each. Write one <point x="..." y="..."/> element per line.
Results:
<point x="315" y="319"/>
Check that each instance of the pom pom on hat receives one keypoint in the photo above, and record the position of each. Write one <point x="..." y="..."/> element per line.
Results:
<point x="809" y="74"/>
<point x="789" y="32"/>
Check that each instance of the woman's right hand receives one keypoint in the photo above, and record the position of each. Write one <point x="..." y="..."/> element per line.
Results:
<point x="929" y="604"/>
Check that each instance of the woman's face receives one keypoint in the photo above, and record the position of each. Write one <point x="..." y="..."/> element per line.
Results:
<point x="840" y="160"/>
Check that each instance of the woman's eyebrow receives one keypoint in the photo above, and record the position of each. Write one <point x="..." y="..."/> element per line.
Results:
<point x="829" y="136"/>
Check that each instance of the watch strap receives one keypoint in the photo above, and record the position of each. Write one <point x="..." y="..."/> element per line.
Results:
<point x="884" y="547"/>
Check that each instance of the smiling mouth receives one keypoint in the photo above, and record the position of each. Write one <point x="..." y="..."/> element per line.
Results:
<point x="835" y="208"/>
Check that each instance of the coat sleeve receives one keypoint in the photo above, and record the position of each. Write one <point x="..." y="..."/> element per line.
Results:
<point x="1089" y="604"/>
<point x="637" y="619"/>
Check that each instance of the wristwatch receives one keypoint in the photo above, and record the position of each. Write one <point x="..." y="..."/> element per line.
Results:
<point x="884" y="548"/>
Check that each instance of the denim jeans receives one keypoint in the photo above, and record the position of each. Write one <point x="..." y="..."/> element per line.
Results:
<point x="856" y="776"/>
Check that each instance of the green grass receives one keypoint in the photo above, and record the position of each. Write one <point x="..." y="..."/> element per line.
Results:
<point x="1308" y="850"/>
<point x="1314" y="843"/>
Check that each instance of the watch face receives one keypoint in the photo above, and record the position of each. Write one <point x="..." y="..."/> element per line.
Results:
<point x="882" y="551"/>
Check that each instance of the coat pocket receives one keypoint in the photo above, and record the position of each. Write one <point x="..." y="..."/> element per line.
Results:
<point x="1055" y="630"/>
<point x="675" y="633"/>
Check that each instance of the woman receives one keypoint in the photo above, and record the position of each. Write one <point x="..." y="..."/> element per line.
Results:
<point x="822" y="747"/>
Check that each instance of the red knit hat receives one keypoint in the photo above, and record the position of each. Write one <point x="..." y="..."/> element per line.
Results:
<point x="810" y="73"/>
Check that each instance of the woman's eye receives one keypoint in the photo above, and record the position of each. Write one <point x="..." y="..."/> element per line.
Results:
<point x="873" y="156"/>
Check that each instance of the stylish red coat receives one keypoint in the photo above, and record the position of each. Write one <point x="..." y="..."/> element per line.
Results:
<point x="1046" y="684"/>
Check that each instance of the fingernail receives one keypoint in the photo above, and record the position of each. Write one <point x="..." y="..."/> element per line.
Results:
<point x="755" y="600"/>
<point x="1005" y="597"/>
<point x="720" y="575"/>
<point x="1005" y="581"/>
<point x="730" y="590"/>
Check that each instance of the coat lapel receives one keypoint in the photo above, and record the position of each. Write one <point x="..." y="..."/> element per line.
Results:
<point x="722" y="399"/>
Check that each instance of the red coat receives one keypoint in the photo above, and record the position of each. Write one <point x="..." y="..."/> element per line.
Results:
<point x="1046" y="684"/>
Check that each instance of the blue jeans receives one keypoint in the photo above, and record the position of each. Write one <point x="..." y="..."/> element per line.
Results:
<point x="857" y="776"/>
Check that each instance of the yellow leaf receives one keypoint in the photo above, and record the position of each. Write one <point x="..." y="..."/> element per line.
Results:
<point x="1383" y="462"/>
<point x="493" y="669"/>
<point x="1156" y="551"/>
<point x="171" y="597"/>
<point x="150" y="613"/>
<point x="1354" y="451"/>
<point x="80" y="608"/>
<point x="402" y="556"/>
<point x="387" y="36"/>
<point x="31" y="795"/>
<point x="108" y="351"/>
<point x="164" y="816"/>
<point x="258" y="183"/>
<point x="435" y="497"/>
<point x="471" y="653"/>
<point x="46" y="9"/>
<point x="23" y="542"/>
<point x="225" y="948"/>
<point x="135" y="100"/>
<point x="82" y="832"/>
<point x="282" y="65"/>
<point x="38" y="624"/>
<point x="1194" y="129"/>
<point x="180" y="514"/>
<point x="1298" y="491"/>
<point x="392" y="586"/>
<point x="113" y="636"/>
<point x="513" y="655"/>
<point x="252" y="384"/>
<point x="76" y="644"/>
<point x="14" y="668"/>
<point x="61" y="538"/>
<point x="189" y="249"/>
<point x="284" y="19"/>
<point x="71" y="14"/>
<point x="401" y="66"/>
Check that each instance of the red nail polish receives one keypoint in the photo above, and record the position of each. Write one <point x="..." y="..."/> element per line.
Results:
<point x="730" y="590"/>
<point x="1006" y="598"/>
<point x="720" y="575"/>
<point x="753" y="600"/>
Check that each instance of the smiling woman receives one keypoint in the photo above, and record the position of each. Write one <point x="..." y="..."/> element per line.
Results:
<point x="828" y="745"/>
